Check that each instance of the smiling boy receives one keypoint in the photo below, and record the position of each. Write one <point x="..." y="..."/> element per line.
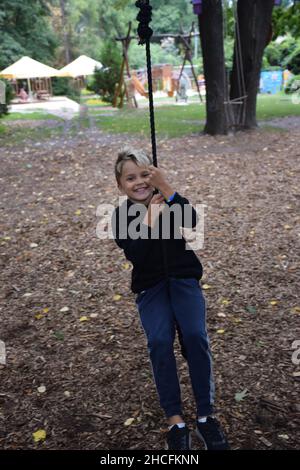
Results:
<point x="165" y="277"/>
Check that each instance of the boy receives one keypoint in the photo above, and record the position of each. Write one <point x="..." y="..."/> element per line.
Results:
<point x="165" y="277"/>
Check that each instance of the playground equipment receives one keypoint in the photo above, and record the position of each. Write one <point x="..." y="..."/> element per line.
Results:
<point x="161" y="74"/>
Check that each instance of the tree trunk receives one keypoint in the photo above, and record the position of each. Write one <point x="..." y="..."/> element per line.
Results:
<point x="211" y="34"/>
<point x="254" y="22"/>
<point x="65" y="31"/>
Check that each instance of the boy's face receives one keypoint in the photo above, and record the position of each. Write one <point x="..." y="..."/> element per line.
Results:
<point x="134" y="183"/>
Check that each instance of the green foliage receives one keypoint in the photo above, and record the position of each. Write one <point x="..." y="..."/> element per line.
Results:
<point x="8" y="97"/>
<point x="292" y="61"/>
<point x="286" y="19"/>
<point x="63" y="86"/>
<point x="285" y="53"/>
<point x="171" y="15"/>
<point x="273" y="54"/>
<point x="293" y="85"/>
<point x="25" y="30"/>
<point x="137" y="56"/>
<point x="168" y="16"/>
<point x="104" y="80"/>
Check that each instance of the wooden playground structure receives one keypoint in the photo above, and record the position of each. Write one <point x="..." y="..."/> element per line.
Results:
<point x="165" y="76"/>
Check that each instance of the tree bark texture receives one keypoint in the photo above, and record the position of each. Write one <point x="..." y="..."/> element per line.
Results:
<point x="254" y="23"/>
<point x="211" y="34"/>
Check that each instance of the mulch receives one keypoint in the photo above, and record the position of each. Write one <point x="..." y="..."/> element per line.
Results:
<point x="77" y="363"/>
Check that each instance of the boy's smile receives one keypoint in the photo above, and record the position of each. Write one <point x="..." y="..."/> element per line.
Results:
<point x="134" y="182"/>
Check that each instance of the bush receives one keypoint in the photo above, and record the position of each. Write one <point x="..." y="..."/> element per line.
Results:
<point x="104" y="81"/>
<point x="293" y="85"/>
<point x="293" y="61"/>
<point x="8" y="97"/>
<point x="62" y="86"/>
<point x="285" y="54"/>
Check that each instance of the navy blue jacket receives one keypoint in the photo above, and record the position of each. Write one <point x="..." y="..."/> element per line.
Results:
<point x="151" y="262"/>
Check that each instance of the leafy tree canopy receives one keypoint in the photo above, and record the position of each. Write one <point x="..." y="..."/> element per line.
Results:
<point x="25" y="30"/>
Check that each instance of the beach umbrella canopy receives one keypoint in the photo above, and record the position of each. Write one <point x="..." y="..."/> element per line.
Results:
<point x="26" y="68"/>
<point x="81" y="66"/>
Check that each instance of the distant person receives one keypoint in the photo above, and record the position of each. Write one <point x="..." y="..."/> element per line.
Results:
<point x="287" y="75"/>
<point x="23" y="95"/>
<point x="182" y="89"/>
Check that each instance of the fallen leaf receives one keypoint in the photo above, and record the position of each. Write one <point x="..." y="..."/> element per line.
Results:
<point x="59" y="335"/>
<point x="206" y="286"/>
<point x="250" y="309"/>
<point x="117" y="297"/>
<point x="241" y="395"/>
<point x="265" y="441"/>
<point x="83" y="318"/>
<point x="295" y="310"/>
<point x="237" y="320"/>
<point x="129" y="421"/>
<point x="39" y="435"/>
<point x="221" y="331"/>
<point x="64" y="309"/>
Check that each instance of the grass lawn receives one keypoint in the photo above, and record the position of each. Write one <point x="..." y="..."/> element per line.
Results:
<point x="35" y="115"/>
<point x="172" y="121"/>
<point x="18" y="134"/>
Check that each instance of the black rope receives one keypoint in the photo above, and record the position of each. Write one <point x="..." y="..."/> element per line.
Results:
<point x="145" y="32"/>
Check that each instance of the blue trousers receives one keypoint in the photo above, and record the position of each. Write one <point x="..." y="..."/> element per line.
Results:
<point x="160" y="307"/>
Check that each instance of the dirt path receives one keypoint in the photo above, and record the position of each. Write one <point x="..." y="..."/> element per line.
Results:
<point x="65" y="330"/>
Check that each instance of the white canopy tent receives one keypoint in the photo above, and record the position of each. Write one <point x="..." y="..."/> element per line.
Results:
<point x="27" y="68"/>
<point x="80" y="67"/>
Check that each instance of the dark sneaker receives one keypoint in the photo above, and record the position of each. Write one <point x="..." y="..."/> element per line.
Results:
<point x="212" y="435"/>
<point x="179" y="438"/>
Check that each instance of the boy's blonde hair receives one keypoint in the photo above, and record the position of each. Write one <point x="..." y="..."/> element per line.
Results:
<point x="139" y="157"/>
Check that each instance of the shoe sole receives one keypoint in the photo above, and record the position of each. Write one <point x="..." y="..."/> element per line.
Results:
<point x="200" y="437"/>
<point x="190" y="444"/>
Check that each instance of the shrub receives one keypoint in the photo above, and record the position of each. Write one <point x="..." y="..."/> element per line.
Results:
<point x="293" y="85"/>
<point x="104" y="81"/>
<point x="62" y="86"/>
